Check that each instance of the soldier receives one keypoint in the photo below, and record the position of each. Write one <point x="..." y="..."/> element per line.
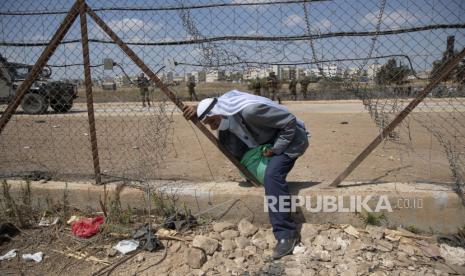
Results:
<point x="304" y="86"/>
<point x="272" y="82"/>
<point x="257" y="86"/>
<point x="293" y="88"/>
<point x="191" y="87"/>
<point x="143" y="84"/>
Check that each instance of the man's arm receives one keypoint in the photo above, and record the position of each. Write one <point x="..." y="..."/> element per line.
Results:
<point x="272" y="117"/>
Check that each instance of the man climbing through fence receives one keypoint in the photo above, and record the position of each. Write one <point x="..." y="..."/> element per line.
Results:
<point x="143" y="84"/>
<point x="245" y="122"/>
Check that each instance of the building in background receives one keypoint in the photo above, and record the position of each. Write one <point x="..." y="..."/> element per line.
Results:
<point x="215" y="75"/>
<point x="372" y="70"/>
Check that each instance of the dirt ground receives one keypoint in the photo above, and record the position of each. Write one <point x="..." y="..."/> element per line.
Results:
<point x="131" y="145"/>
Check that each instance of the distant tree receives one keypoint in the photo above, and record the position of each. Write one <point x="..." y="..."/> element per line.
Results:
<point x="457" y="74"/>
<point x="390" y="73"/>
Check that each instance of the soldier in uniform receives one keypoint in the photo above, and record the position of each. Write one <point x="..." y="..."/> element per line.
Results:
<point x="304" y="86"/>
<point x="257" y="86"/>
<point x="272" y="82"/>
<point x="293" y="88"/>
<point x="143" y="84"/>
<point x="191" y="88"/>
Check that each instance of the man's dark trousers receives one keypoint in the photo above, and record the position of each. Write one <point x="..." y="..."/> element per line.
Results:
<point x="275" y="186"/>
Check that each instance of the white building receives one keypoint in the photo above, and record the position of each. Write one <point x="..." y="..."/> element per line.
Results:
<point x="373" y="69"/>
<point x="214" y="75"/>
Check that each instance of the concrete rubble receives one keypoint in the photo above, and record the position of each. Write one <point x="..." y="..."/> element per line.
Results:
<point x="324" y="250"/>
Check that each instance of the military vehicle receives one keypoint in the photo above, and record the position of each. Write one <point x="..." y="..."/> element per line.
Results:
<point x="43" y="93"/>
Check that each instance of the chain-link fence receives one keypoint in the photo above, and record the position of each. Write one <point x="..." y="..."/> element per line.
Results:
<point x="382" y="52"/>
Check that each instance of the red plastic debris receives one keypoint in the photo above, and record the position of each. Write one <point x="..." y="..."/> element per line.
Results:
<point x="87" y="227"/>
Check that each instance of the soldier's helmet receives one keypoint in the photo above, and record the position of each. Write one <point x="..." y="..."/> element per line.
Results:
<point x="141" y="75"/>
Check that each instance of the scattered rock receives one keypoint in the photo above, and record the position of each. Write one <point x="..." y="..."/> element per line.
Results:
<point x="408" y="249"/>
<point x="259" y="241"/>
<point x="223" y="225"/>
<point x="375" y="232"/>
<point x="242" y="242"/>
<point x="351" y="231"/>
<point x="215" y="235"/>
<point x="343" y="244"/>
<point x="320" y="240"/>
<point x="293" y="271"/>
<point x="308" y="231"/>
<point x="229" y="234"/>
<point x="209" y="245"/>
<point x="246" y="228"/>
<point x="228" y="245"/>
<point x="452" y="255"/>
<point x="194" y="257"/>
<point x="321" y="255"/>
<point x="140" y="258"/>
<point x="251" y="250"/>
<point x="299" y="249"/>
<point x="112" y="252"/>
<point x="383" y="245"/>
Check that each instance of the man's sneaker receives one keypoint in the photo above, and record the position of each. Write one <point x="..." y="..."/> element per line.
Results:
<point x="283" y="248"/>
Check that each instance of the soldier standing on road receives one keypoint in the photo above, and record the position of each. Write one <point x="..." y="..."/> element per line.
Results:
<point x="191" y="88"/>
<point x="293" y="88"/>
<point x="272" y="82"/>
<point x="304" y="86"/>
<point x="143" y="84"/>
<point x="257" y="86"/>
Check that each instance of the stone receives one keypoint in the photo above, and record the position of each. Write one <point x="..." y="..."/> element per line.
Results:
<point x="228" y="245"/>
<point x="452" y="255"/>
<point x="194" y="257"/>
<point x="352" y="231"/>
<point x="383" y="245"/>
<point x="246" y="228"/>
<point x="408" y="249"/>
<point x="215" y="235"/>
<point x="259" y="241"/>
<point x="229" y="234"/>
<point x="308" y="231"/>
<point x="375" y="232"/>
<point x="320" y="240"/>
<point x="140" y="258"/>
<point x="223" y="225"/>
<point x="341" y="268"/>
<point x="250" y="249"/>
<point x="209" y="245"/>
<point x="343" y="244"/>
<point x="299" y="249"/>
<point x="238" y="253"/>
<point x="331" y="245"/>
<point x="112" y="252"/>
<point x="270" y="239"/>
<point x="242" y="242"/>
<point x="293" y="271"/>
<point x="321" y="255"/>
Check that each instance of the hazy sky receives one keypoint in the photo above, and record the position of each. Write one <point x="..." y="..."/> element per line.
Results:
<point x="257" y="20"/>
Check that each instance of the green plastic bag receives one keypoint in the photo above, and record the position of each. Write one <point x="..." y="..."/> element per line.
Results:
<point x="255" y="162"/>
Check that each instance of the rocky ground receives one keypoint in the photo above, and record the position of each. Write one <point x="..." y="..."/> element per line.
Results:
<point x="225" y="248"/>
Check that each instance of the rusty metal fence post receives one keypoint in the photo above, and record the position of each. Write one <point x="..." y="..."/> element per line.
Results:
<point x="89" y="96"/>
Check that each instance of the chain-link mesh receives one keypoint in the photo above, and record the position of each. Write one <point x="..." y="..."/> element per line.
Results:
<point x="382" y="52"/>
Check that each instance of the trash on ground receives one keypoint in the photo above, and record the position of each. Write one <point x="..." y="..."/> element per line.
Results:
<point x="87" y="227"/>
<point x="9" y="255"/>
<point x="36" y="257"/>
<point x="163" y="232"/>
<point x="45" y="222"/>
<point x="126" y="246"/>
<point x="73" y="219"/>
<point x="148" y="240"/>
<point x="180" y="222"/>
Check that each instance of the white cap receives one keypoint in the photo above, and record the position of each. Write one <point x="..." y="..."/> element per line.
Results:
<point x="203" y="105"/>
